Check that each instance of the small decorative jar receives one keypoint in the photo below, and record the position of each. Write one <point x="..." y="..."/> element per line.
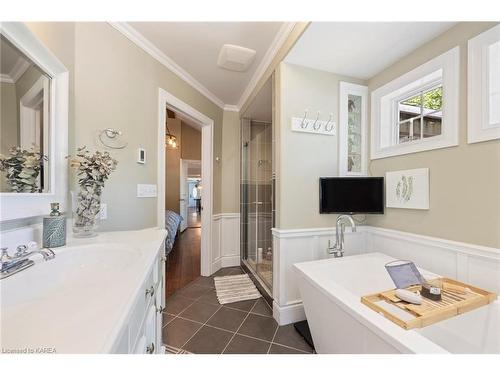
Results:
<point x="54" y="228"/>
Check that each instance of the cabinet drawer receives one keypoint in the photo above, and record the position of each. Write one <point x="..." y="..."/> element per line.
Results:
<point x="143" y="300"/>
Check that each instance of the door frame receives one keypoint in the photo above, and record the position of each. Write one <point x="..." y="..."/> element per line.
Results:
<point x="165" y="98"/>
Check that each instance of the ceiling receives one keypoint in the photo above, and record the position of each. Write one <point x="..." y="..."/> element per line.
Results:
<point x="194" y="47"/>
<point x="360" y="49"/>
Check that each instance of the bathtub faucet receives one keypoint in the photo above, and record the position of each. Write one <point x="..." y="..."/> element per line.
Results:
<point x="338" y="249"/>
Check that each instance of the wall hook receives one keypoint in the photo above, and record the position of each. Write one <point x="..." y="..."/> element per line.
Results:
<point x="315" y="121"/>
<point x="327" y="127"/>
<point x="304" y="123"/>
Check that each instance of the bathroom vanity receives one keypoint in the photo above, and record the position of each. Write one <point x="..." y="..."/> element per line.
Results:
<point x="331" y="291"/>
<point x="98" y="295"/>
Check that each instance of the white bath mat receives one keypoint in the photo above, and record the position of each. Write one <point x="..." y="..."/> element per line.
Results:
<point x="235" y="288"/>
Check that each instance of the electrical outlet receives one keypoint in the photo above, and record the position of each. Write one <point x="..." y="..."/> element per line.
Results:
<point x="146" y="191"/>
<point x="103" y="213"/>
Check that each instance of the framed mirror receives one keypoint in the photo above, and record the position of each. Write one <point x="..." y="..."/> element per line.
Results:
<point x="33" y="125"/>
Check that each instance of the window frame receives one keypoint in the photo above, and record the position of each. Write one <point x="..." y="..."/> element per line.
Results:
<point x="479" y="126"/>
<point x="442" y="70"/>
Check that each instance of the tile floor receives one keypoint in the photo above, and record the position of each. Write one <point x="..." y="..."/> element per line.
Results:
<point x="195" y="322"/>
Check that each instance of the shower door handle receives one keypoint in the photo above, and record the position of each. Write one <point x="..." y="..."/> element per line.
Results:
<point x="259" y="203"/>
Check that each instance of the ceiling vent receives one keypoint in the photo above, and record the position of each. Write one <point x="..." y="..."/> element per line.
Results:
<point x="235" y="58"/>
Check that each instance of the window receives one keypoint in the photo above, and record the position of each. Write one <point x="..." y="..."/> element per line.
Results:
<point x="483" y="87"/>
<point x="417" y="111"/>
<point x="420" y="116"/>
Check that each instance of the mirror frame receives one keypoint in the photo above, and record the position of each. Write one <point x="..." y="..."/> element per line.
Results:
<point x="27" y="205"/>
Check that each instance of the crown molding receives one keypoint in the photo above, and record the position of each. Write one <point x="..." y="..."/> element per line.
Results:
<point x="273" y="49"/>
<point x="141" y="41"/>
<point x="231" y="108"/>
<point x="6" y="78"/>
<point x="19" y="68"/>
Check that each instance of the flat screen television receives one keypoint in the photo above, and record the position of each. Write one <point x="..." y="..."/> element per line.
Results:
<point x="351" y="195"/>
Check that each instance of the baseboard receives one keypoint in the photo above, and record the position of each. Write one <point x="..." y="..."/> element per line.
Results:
<point x="230" y="261"/>
<point x="288" y="314"/>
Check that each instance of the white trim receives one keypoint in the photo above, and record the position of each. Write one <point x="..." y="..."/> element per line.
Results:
<point x="479" y="128"/>
<point x="345" y="89"/>
<point x="231" y="108"/>
<point x="291" y="313"/>
<point x="22" y="205"/>
<point x="273" y="49"/>
<point x="449" y="64"/>
<point x="207" y="123"/>
<point x="225" y="241"/>
<point x="141" y="41"/>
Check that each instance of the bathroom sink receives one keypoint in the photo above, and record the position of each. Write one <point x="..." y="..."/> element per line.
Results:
<point x="88" y="267"/>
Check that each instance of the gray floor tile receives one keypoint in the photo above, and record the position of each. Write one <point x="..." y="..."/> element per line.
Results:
<point x="246" y="345"/>
<point x="167" y="318"/>
<point x="193" y="291"/>
<point x="259" y="326"/>
<point x="208" y="340"/>
<point x="287" y="335"/>
<point x="210" y="297"/>
<point x="278" y="349"/>
<point x="178" y="332"/>
<point x="204" y="281"/>
<point x="227" y="319"/>
<point x="262" y="308"/>
<point x="241" y="305"/>
<point x="176" y="303"/>
<point x="199" y="311"/>
<point x="228" y="271"/>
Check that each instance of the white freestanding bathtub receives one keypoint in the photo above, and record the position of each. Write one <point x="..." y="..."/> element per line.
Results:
<point x="331" y="291"/>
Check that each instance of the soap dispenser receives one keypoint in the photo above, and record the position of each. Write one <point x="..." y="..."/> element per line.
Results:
<point x="54" y="228"/>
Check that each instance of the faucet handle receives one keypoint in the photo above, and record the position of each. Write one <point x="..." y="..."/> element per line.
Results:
<point x="20" y="250"/>
<point x="5" y="254"/>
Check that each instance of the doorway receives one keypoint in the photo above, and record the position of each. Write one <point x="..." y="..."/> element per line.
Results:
<point x="168" y="102"/>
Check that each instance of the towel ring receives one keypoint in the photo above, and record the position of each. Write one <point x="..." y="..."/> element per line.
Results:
<point x="110" y="135"/>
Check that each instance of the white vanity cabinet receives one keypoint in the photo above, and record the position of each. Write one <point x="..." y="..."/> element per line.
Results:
<point x="141" y="333"/>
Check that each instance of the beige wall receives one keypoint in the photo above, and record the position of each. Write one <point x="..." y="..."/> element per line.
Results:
<point x="230" y="161"/>
<point x="303" y="158"/>
<point x="114" y="83"/>
<point x="172" y="167"/>
<point x="190" y="142"/>
<point x="464" y="180"/>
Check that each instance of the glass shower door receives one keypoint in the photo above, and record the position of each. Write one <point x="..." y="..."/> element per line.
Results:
<point x="256" y="198"/>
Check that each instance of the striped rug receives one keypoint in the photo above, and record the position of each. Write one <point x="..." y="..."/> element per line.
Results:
<point x="235" y="288"/>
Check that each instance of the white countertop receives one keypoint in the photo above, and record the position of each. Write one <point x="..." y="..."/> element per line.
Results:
<point x="77" y="302"/>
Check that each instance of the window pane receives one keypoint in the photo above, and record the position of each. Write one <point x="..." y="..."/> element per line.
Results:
<point x="354" y="133"/>
<point x="432" y="125"/>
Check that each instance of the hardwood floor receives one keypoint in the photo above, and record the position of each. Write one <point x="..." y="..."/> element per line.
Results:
<point x="194" y="218"/>
<point x="184" y="260"/>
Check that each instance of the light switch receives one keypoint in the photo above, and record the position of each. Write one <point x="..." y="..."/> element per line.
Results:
<point x="146" y="191"/>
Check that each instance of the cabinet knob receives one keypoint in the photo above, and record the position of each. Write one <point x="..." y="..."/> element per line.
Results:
<point x="151" y="348"/>
<point x="150" y="291"/>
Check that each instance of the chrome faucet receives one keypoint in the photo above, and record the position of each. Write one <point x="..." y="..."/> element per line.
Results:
<point x="338" y="249"/>
<point x="10" y="265"/>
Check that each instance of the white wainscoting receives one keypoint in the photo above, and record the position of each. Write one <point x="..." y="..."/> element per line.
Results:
<point x="470" y="263"/>
<point x="225" y="240"/>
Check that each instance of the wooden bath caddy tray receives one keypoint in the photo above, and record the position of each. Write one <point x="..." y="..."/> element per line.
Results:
<point x="455" y="300"/>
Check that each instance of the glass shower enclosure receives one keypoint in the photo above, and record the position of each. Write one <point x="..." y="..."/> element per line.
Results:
<point x="257" y="198"/>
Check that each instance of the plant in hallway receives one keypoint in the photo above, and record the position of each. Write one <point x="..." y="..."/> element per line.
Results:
<point x="93" y="169"/>
<point x="22" y="168"/>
